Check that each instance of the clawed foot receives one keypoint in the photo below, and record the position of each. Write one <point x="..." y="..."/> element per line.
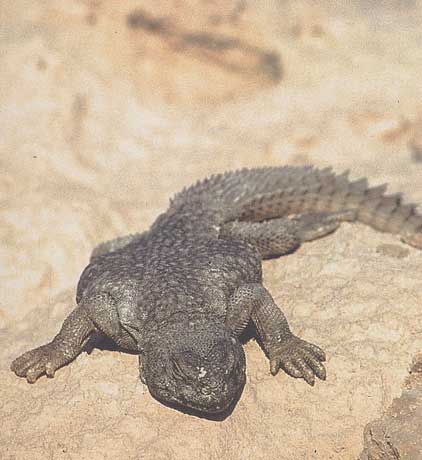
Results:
<point x="316" y="225"/>
<point x="42" y="360"/>
<point x="299" y="359"/>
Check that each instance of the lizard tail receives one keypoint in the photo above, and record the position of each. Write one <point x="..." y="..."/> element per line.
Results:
<point x="265" y="193"/>
<point x="332" y="193"/>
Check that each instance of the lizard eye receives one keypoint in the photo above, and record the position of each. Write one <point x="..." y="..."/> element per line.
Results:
<point x="177" y="370"/>
<point x="183" y="366"/>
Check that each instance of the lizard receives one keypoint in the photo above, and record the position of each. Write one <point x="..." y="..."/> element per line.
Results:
<point x="180" y="294"/>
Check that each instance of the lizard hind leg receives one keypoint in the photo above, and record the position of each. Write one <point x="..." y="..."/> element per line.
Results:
<point x="281" y="236"/>
<point x="115" y="244"/>
<point x="312" y="226"/>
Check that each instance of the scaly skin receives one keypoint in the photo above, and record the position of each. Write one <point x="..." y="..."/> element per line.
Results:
<point x="181" y="294"/>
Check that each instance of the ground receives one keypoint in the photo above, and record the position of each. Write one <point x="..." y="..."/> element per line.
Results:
<point x="108" y="109"/>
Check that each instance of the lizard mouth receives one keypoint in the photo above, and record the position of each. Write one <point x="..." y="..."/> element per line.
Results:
<point x="217" y="389"/>
<point x="216" y="406"/>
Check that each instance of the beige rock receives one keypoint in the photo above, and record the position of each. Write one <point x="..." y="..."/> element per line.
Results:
<point x="397" y="434"/>
<point x="101" y="123"/>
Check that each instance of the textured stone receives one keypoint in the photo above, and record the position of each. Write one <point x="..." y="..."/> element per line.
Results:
<point x="89" y="151"/>
<point x="397" y="434"/>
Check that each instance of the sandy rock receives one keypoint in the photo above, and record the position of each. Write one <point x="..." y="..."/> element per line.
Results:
<point x="106" y="113"/>
<point x="397" y="434"/>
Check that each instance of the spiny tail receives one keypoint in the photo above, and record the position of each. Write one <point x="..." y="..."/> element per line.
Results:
<point x="266" y="193"/>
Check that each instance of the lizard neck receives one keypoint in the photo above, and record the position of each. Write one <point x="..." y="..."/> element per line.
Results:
<point x="182" y="324"/>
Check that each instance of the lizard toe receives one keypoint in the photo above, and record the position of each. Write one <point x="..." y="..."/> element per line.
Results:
<point x="315" y="350"/>
<point x="35" y="372"/>
<point x="21" y="365"/>
<point x="305" y="370"/>
<point x="317" y="368"/>
<point x="290" y="369"/>
<point x="36" y="362"/>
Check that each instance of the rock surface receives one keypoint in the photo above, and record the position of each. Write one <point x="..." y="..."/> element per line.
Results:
<point x="397" y="434"/>
<point x="107" y="110"/>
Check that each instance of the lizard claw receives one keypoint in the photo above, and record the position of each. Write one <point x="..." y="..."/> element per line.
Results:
<point x="300" y="359"/>
<point x="34" y="363"/>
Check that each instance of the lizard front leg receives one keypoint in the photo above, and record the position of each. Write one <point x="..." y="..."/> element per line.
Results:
<point x="295" y="356"/>
<point x="67" y="344"/>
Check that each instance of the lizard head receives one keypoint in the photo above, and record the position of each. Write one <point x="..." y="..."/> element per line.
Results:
<point x="197" y="366"/>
